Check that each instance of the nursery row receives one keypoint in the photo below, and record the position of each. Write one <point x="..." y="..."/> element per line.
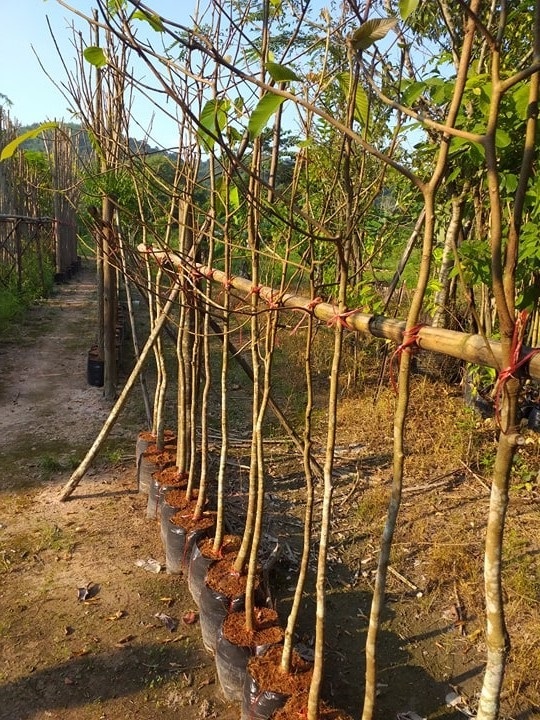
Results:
<point x="239" y="627"/>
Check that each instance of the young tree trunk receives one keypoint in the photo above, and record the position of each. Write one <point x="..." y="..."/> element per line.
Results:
<point x="441" y="315"/>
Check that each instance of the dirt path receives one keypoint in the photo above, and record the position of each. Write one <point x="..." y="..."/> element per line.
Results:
<point x="108" y="658"/>
<point x="43" y="374"/>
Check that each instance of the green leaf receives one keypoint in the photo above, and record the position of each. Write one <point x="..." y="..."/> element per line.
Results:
<point x="10" y="148"/>
<point x="502" y="138"/>
<point x="456" y="172"/>
<point x="113" y="6"/>
<point x="509" y="182"/>
<point x="474" y="150"/>
<point x="266" y="107"/>
<point x="370" y="32"/>
<point x="212" y="121"/>
<point x="95" y="56"/>
<point x="280" y="73"/>
<point x="520" y="97"/>
<point x="477" y="80"/>
<point x="361" y="100"/>
<point x="234" y="197"/>
<point x="407" y="7"/>
<point x="413" y="91"/>
<point x="152" y="19"/>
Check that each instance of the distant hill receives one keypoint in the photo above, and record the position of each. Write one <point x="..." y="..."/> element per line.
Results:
<point x="84" y="146"/>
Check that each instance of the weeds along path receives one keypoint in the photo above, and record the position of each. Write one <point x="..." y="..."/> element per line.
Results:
<point x="43" y="390"/>
<point x="64" y="658"/>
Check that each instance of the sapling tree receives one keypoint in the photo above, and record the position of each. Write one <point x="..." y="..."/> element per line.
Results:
<point x="327" y="221"/>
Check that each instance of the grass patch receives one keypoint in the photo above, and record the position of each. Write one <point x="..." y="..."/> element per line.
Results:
<point x="372" y="506"/>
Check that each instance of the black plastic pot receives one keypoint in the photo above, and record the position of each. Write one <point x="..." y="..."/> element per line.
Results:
<point x="231" y="664"/>
<point x="257" y="704"/>
<point x="95" y="369"/>
<point x="197" y="569"/>
<point x="167" y="510"/>
<point x="179" y="545"/>
<point x="144" y="473"/>
<point x="143" y="441"/>
<point x="261" y="704"/>
<point x="156" y="499"/>
<point x="213" y="608"/>
<point x="148" y="465"/>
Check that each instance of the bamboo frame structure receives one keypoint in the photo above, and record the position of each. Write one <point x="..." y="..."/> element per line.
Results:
<point x="469" y="347"/>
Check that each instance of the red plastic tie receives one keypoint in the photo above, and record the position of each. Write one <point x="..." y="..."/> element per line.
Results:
<point x="341" y="319"/>
<point x="409" y="343"/>
<point x="312" y="304"/>
<point x="271" y="299"/>
<point x="255" y="290"/>
<point x="516" y="363"/>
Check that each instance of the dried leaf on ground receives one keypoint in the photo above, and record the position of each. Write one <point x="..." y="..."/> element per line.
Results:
<point x="167" y="621"/>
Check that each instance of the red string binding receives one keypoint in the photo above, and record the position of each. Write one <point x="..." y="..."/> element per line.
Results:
<point x="272" y="300"/>
<point x="516" y="363"/>
<point x="341" y="319"/>
<point x="312" y="304"/>
<point x="409" y="343"/>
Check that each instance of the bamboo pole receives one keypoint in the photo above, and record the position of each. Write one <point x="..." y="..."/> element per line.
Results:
<point x="79" y="473"/>
<point x="464" y="346"/>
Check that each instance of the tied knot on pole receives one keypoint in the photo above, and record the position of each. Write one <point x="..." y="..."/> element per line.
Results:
<point x="409" y="343"/>
<point x="340" y="318"/>
<point x="272" y="299"/>
<point x="312" y="304"/>
<point x="516" y="362"/>
<point x="208" y="273"/>
<point x="254" y="290"/>
<point x="228" y="282"/>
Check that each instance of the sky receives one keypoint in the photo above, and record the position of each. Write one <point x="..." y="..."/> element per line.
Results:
<point x="25" y="35"/>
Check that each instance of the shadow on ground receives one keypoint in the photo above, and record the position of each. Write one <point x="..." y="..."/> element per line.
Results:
<point x="96" y="679"/>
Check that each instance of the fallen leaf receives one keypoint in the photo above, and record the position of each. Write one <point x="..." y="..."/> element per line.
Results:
<point x="169" y="622"/>
<point x="88" y="592"/>
<point x="173" y="640"/>
<point x="124" y="640"/>
<point x="118" y="615"/>
<point x="190" y="617"/>
<point x="451" y="613"/>
<point x="81" y="653"/>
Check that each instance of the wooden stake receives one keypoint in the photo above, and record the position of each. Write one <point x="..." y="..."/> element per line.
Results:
<point x="120" y="402"/>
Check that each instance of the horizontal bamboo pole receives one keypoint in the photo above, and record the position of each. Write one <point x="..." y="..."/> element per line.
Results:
<point x="463" y="346"/>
